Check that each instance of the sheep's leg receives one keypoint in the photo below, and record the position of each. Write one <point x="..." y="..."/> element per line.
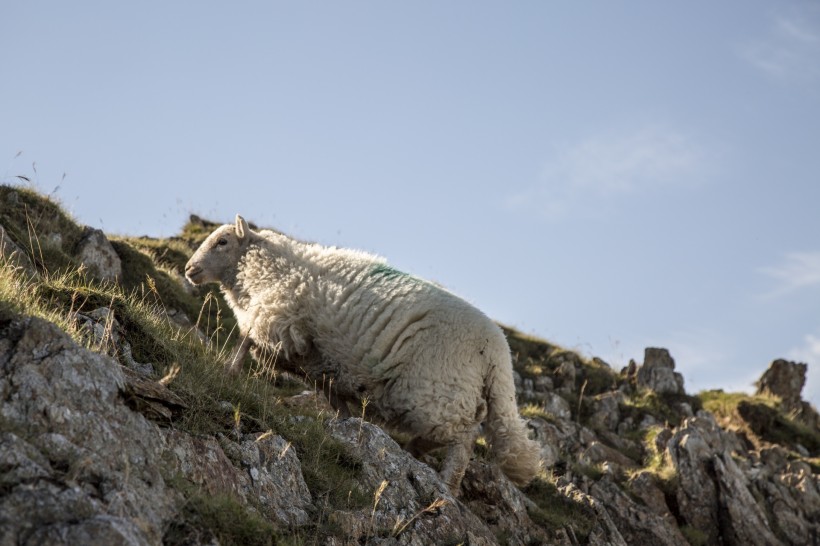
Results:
<point x="234" y="363"/>
<point x="457" y="459"/>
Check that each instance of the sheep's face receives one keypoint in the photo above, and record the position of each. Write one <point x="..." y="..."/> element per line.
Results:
<point x="217" y="257"/>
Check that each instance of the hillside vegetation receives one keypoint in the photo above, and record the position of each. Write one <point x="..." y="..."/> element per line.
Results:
<point x="630" y="457"/>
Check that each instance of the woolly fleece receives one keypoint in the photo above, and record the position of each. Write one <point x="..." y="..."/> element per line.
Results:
<point x="428" y="362"/>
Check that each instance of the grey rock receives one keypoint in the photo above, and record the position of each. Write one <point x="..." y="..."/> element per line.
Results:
<point x="97" y="254"/>
<point x="644" y="487"/>
<point x="494" y="499"/>
<point x="543" y="383"/>
<point x="636" y="523"/>
<point x="658" y="372"/>
<point x="784" y="379"/>
<point x="605" y="410"/>
<point x="604" y="532"/>
<point x="411" y="489"/>
<point x="716" y="495"/>
<point x="565" y="375"/>
<point x="598" y="453"/>
<point x="556" y="405"/>
<point x="105" y="334"/>
<point x="81" y="467"/>
<point x="553" y="439"/>
<point x="745" y="520"/>
<point x="277" y="481"/>
<point x="63" y="402"/>
<point x="691" y="449"/>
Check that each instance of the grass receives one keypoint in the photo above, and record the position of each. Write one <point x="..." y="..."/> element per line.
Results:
<point x="221" y="517"/>
<point x="656" y="461"/>
<point x="763" y="416"/>
<point x="62" y="290"/>
<point x="555" y="511"/>
<point x="694" y="536"/>
<point x="661" y="406"/>
<point x="724" y="404"/>
<point x="32" y="220"/>
<point x="535" y="411"/>
<point x="534" y="357"/>
<point x="151" y="285"/>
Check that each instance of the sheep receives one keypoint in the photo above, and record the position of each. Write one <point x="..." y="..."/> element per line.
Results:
<point x="428" y="363"/>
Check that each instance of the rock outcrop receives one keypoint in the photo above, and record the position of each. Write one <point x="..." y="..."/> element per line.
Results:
<point x="97" y="449"/>
<point x="658" y="372"/>
<point x="786" y="380"/>
<point x="95" y="252"/>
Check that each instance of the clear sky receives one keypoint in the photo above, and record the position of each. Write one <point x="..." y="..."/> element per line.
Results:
<point x="608" y="175"/>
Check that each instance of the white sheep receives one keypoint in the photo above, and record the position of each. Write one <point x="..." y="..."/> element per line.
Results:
<point x="429" y="363"/>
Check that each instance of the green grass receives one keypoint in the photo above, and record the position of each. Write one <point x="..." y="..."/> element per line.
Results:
<point x="763" y="416"/>
<point x="534" y="411"/>
<point x="657" y="462"/>
<point x="724" y="404"/>
<point x="533" y="357"/>
<point x="661" y="406"/>
<point x="31" y="220"/>
<point x="694" y="536"/>
<point x="222" y="517"/>
<point x="61" y="291"/>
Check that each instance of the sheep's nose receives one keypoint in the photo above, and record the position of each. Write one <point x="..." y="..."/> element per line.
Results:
<point x="192" y="269"/>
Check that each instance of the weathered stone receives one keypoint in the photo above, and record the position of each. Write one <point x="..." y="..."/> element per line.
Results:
<point x="565" y="375"/>
<point x="786" y="380"/>
<point x="556" y="405"/>
<point x="411" y="489"/>
<point x="501" y="505"/>
<point x="553" y="440"/>
<point x="64" y="402"/>
<point x="783" y="379"/>
<point x="80" y="467"/>
<point x="543" y="383"/>
<point x="604" y="532"/>
<point x="644" y="487"/>
<point x="277" y="483"/>
<point x="658" y="372"/>
<point x="691" y="449"/>
<point x="605" y="411"/>
<point x="97" y="254"/>
<point x="151" y="398"/>
<point x="637" y="524"/>
<point x="743" y="519"/>
<point x="598" y="453"/>
<point x="105" y="334"/>
<point x="714" y="494"/>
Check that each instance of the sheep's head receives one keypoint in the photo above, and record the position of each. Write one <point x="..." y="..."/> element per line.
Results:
<point x="217" y="257"/>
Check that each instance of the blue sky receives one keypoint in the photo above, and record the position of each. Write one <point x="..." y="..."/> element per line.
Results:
<point x="609" y="176"/>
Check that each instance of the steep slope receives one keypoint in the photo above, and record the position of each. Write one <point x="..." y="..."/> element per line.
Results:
<point x="117" y="426"/>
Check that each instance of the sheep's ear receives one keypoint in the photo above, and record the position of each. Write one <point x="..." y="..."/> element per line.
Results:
<point x="242" y="228"/>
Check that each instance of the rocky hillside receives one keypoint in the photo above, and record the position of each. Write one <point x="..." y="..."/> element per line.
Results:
<point x="117" y="426"/>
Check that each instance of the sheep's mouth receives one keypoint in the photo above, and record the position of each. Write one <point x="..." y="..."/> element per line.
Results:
<point x="193" y="274"/>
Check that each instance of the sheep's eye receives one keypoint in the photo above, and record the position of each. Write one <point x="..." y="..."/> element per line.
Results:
<point x="222" y="242"/>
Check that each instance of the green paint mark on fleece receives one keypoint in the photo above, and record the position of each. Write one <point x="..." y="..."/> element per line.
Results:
<point x="385" y="272"/>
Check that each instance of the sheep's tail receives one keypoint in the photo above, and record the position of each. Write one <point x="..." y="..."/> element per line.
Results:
<point x="517" y="455"/>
